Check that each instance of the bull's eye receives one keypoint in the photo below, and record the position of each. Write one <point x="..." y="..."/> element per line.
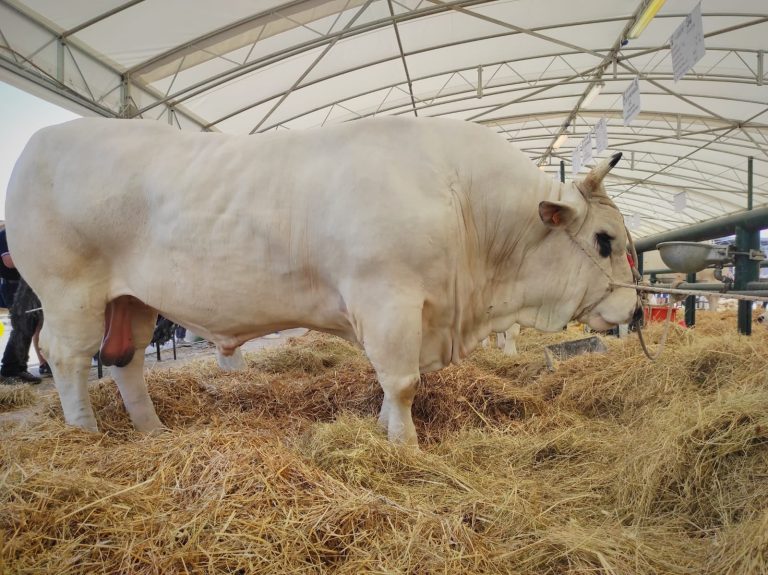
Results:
<point x="604" y="243"/>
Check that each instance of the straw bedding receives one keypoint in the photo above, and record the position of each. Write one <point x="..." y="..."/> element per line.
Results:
<point x="611" y="464"/>
<point x="14" y="396"/>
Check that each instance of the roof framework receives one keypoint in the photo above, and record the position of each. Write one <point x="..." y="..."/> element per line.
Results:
<point x="521" y="67"/>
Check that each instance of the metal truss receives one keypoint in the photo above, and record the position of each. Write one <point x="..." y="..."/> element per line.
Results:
<point x="697" y="150"/>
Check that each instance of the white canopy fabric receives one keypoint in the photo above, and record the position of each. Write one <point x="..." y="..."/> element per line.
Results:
<point x="520" y="67"/>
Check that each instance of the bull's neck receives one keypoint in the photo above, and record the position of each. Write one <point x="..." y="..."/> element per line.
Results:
<point x="519" y="232"/>
<point x="517" y="228"/>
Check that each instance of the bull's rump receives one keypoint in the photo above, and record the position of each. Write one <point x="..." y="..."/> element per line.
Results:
<point x="280" y="225"/>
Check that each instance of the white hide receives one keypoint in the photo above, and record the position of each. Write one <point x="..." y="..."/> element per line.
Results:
<point x="416" y="238"/>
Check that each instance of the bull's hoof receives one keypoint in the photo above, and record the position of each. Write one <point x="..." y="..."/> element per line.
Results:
<point x="155" y="432"/>
<point x="149" y="424"/>
<point x="90" y="427"/>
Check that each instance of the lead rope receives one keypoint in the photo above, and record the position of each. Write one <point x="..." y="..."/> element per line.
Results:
<point x="667" y="321"/>
<point x="663" y="340"/>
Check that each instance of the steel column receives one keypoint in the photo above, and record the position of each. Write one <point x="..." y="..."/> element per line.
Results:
<point x="747" y="270"/>
<point x="690" y="304"/>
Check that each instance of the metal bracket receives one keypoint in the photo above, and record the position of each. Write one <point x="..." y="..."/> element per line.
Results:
<point x="755" y="255"/>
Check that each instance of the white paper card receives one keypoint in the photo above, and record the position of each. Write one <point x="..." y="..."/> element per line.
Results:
<point x="634" y="222"/>
<point x="687" y="44"/>
<point x="680" y="202"/>
<point x="576" y="160"/>
<point x="601" y="135"/>
<point x="586" y="150"/>
<point x="631" y="100"/>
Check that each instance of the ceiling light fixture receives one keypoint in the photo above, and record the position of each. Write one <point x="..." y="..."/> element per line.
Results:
<point x="649" y="11"/>
<point x="561" y="139"/>
<point x="593" y="93"/>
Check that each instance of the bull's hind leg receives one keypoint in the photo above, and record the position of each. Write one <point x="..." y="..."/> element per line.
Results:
<point x="392" y="341"/>
<point x="71" y="333"/>
<point x="130" y="377"/>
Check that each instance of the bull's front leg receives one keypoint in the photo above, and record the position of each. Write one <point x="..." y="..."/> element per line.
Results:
<point x="511" y="336"/>
<point x="392" y="340"/>
<point x="232" y="361"/>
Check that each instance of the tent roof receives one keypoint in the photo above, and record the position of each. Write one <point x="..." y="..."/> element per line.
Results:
<point x="520" y="67"/>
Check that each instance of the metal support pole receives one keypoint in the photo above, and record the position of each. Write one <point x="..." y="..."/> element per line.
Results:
<point x="99" y="366"/>
<point x="60" y="61"/>
<point x="562" y="171"/>
<point x="479" y="81"/>
<point x="690" y="304"/>
<point x="639" y="263"/>
<point x="746" y="270"/>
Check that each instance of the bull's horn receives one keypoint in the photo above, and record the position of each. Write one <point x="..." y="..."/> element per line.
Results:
<point x="591" y="183"/>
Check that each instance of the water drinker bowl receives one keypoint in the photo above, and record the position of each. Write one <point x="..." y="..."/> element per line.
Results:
<point x="691" y="257"/>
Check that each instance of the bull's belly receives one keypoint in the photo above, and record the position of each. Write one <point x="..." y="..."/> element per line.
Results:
<point x="229" y="319"/>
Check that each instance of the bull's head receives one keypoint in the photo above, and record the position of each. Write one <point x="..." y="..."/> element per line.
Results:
<point x="588" y="242"/>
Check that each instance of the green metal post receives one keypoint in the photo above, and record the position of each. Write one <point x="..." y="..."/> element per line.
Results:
<point x="690" y="304"/>
<point x="639" y="263"/>
<point x="562" y="171"/>
<point x="746" y="270"/>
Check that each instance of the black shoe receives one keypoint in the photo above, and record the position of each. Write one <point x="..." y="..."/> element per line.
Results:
<point x="44" y="370"/>
<point x="22" y="377"/>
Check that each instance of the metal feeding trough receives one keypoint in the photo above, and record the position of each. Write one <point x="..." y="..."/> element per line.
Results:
<point x="692" y="257"/>
<point x="561" y="351"/>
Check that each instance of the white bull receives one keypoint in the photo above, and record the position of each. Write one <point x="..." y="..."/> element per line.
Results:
<point x="416" y="238"/>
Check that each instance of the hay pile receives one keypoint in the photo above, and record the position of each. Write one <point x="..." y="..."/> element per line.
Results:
<point x="609" y="465"/>
<point x="15" y="396"/>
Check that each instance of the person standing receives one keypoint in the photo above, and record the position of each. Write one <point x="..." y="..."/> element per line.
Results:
<point x="13" y="368"/>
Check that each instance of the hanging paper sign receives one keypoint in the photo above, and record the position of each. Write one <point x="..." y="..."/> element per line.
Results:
<point x="601" y="135"/>
<point x="576" y="160"/>
<point x="631" y="99"/>
<point x="634" y="222"/>
<point x="687" y="44"/>
<point x="586" y="150"/>
<point x="680" y="202"/>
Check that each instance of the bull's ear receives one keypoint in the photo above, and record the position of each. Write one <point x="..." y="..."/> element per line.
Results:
<point x="591" y="184"/>
<point x="556" y="214"/>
